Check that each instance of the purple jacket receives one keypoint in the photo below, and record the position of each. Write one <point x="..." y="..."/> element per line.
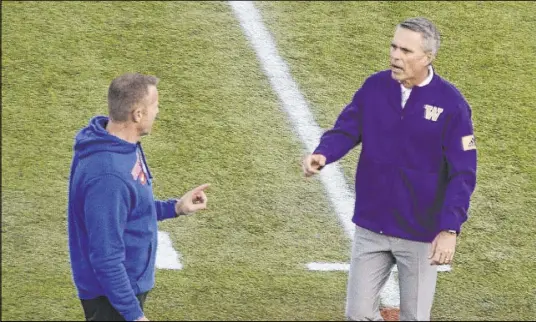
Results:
<point x="417" y="168"/>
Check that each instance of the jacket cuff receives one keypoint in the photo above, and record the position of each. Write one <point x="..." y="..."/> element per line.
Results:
<point x="134" y="315"/>
<point x="319" y="150"/>
<point x="448" y="220"/>
<point x="169" y="209"/>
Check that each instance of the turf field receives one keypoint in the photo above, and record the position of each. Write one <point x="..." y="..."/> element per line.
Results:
<point x="220" y="122"/>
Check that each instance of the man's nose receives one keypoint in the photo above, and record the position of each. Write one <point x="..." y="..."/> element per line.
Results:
<point x="395" y="54"/>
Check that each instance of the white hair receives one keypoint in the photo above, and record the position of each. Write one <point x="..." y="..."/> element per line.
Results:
<point x="430" y="35"/>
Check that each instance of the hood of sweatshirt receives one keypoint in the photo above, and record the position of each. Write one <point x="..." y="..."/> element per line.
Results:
<point x="94" y="138"/>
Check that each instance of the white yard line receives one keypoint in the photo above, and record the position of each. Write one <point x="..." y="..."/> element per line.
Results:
<point x="166" y="256"/>
<point x="319" y="266"/>
<point x="303" y="123"/>
<point x="296" y="107"/>
<point x="328" y="267"/>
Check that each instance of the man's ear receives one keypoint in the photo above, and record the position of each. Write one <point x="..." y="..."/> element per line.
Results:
<point x="430" y="58"/>
<point x="137" y="114"/>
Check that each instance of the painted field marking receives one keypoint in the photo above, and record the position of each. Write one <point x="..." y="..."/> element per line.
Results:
<point x="303" y="123"/>
<point x="320" y="266"/>
<point x="295" y="106"/>
<point x="166" y="256"/>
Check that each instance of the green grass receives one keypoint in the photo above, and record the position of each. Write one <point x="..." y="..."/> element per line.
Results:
<point x="487" y="51"/>
<point x="221" y="123"/>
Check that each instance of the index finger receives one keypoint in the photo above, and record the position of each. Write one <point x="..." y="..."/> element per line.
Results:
<point x="201" y="187"/>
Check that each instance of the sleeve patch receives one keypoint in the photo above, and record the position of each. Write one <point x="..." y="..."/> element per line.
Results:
<point x="468" y="142"/>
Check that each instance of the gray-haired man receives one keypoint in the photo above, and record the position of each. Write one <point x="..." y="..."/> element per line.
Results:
<point x="415" y="177"/>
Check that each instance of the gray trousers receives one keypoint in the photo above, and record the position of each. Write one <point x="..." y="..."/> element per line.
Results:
<point x="373" y="256"/>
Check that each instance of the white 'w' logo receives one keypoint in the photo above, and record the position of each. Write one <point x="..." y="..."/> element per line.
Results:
<point x="432" y="112"/>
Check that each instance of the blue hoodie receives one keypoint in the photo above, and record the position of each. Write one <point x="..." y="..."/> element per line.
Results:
<point x="112" y="219"/>
<point x="417" y="167"/>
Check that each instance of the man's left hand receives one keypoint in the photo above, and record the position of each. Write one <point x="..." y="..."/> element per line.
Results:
<point x="443" y="248"/>
<point x="192" y="201"/>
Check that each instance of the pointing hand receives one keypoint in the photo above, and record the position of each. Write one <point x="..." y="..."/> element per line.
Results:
<point x="313" y="163"/>
<point x="192" y="201"/>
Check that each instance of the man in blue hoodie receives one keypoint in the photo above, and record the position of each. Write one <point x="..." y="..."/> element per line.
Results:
<point x="415" y="176"/>
<point x="112" y="213"/>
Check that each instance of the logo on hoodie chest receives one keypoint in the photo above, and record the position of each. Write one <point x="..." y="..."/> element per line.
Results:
<point x="137" y="171"/>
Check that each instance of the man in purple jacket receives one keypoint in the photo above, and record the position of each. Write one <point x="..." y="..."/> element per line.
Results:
<point x="415" y="176"/>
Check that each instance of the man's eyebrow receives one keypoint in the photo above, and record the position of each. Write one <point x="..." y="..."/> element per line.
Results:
<point x="401" y="48"/>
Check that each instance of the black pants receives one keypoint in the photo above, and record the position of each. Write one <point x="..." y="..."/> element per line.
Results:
<point x="100" y="309"/>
